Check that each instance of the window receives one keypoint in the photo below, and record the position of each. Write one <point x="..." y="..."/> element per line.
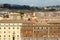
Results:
<point x="4" y="27"/>
<point x="4" y="35"/>
<point x="13" y="32"/>
<point x="42" y="28"/>
<point x="0" y="27"/>
<point x="34" y="27"/>
<point x="14" y="17"/>
<point x="17" y="35"/>
<point x="38" y="27"/>
<point x="2" y="24"/>
<point x="8" y="35"/>
<point x="11" y="24"/>
<point x="8" y="27"/>
<point x="0" y="35"/>
<point x="15" y="24"/>
<point x="13" y="38"/>
<point x="21" y="24"/>
<point x="34" y="31"/>
<point x="17" y="27"/>
<point x="46" y="27"/>
<point x="13" y="27"/>
<point x="6" y="24"/>
<point x="4" y="31"/>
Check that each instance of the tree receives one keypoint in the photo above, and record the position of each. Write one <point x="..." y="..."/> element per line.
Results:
<point x="21" y="15"/>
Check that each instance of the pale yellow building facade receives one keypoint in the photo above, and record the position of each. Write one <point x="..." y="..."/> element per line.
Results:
<point x="10" y="27"/>
<point x="10" y="30"/>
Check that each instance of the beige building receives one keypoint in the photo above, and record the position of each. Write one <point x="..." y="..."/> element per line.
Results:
<point x="8" y="30"/>
<point x="31" y="27"/>
<point x="10" y="27"/>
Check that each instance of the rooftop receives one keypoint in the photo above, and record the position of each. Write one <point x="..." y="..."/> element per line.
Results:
<point x="9" y="21"/>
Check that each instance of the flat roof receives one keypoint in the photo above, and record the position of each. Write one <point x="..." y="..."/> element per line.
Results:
<point x="9" y="21"/>
<point x="14" y="14"/>
<point x="53" y="22"/>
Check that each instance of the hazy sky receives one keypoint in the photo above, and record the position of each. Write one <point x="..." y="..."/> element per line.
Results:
<point x="32" y="2"/>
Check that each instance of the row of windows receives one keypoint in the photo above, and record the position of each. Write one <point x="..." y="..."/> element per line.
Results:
<point x="31" y="27"/>
<point x="33" y="38"/>
<point x="40" y="38"/>
<point x="10" y="27"/>
<point x="9" y="38"/>
<point x="7" y="31"/>
<point x="41" y="27"/>
<point x="8" y="35"/>
<point x="46" y="27"/>
<point x="12" y="24"/>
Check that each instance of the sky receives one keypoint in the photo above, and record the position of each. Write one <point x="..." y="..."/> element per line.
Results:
<point x="32" y="2"/>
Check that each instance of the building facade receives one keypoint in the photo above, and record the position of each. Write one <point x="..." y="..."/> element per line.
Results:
<point x="29" y="27"/>
<point x="10" y="31"/>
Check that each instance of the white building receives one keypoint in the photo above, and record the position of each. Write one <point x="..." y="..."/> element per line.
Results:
<point x="9" y="29"/>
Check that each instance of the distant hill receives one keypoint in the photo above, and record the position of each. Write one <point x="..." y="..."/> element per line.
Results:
<point x="26" y="7"/>
<point x="19" y="7"/>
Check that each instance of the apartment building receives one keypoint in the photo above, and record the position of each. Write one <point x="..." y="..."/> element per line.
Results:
<point x="10" y="27"/>
<point x="45" y="29"/>
<point x="30" y="27"/>
<point x="31" y="31"/>
<point x="10" y="30"/>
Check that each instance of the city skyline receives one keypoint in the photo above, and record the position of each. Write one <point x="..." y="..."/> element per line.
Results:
<point x="32" y="2"/>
